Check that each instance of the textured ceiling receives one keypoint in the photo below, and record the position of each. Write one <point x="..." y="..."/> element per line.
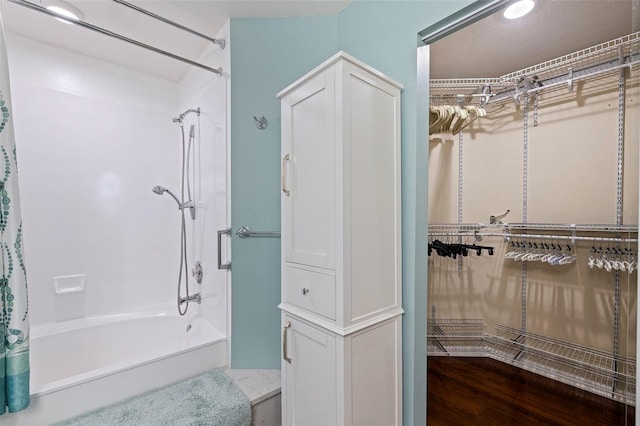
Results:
<point x="496" y="46"/>
<point x="488" y="48"/>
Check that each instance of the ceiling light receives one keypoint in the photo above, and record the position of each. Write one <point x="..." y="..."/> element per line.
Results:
<point x="519" y="9"/>
<point x="63" y="9"/>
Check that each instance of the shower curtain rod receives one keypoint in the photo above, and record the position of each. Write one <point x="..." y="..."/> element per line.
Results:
<point x="115" y="35"/>
<point x="219" y="41"/>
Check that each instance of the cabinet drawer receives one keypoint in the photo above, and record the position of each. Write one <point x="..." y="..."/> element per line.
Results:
<point x="313" y="291"/>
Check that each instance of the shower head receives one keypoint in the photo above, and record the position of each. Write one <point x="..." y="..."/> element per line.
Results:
<point x="161" y="190"/>
<point x="191" y="131"/>
<point x="179" y="118"/>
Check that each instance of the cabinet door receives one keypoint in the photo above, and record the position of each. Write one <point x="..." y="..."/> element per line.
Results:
<point x="308" y="173"/>
<point x="309" y="391"/>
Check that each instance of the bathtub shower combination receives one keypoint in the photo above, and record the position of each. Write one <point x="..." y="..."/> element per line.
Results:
<point x="96" y="357"/>
<point x="124" y="290"/>
<point x="85" y="362"/>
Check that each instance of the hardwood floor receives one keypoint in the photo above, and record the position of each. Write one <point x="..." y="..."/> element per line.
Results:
<point x="482" y="391"/>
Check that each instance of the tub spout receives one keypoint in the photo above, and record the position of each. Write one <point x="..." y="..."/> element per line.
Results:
<point x="190" y="320"/>
<point x="193" y="298"/>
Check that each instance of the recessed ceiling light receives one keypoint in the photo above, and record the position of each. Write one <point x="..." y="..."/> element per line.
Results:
<point x="519" y="9"/>
<point x="63" y="9"/>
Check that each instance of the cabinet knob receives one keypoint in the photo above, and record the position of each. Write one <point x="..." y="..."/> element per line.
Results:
<point x="305" y="291"/>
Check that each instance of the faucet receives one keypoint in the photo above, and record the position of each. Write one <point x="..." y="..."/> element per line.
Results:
<point x="193" y="298"/>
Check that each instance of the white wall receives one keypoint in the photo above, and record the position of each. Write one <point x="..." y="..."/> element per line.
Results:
<point x="92" y="139"/>
<point x="210" y="93"/>
<point x="571" y="179"/>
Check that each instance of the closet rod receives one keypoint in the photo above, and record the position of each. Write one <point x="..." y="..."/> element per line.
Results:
<point x="219" y="41"/>
<point x="100" y="30"/>
<point x="460" y="226"/>
<point x="508" y="236"/>
<point x="462" y="96"/>
<point x="566" y="80"/>
<point x="466" y="234"/>
<point x="572" y="238"/>
<point x="571" y="227"/>
<point x="512" y="226"/>
<point x="589" y="75"/>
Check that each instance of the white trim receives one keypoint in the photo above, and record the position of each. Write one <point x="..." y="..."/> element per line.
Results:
<point x="462" y="21"/>
<point x="331" y="326"/>
<point x="332" y="60"/>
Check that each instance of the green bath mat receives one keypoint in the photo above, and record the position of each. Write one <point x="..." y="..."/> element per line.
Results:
<point x="210" y="399"/>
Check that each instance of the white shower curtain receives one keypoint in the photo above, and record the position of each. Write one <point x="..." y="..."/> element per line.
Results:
<point x="14" y="320"/>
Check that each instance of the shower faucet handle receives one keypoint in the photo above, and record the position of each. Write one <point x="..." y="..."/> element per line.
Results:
<point x="197" y="272"/>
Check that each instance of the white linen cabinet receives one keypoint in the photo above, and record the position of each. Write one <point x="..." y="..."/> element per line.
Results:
<point x="341" y="247"/>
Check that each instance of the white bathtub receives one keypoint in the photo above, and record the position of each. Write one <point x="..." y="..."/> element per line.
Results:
<point x="82" y="364"/>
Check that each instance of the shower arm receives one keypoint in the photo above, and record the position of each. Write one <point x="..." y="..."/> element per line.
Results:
<point x="179" y="118"/>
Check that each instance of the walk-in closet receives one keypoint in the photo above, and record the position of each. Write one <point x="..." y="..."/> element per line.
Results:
<point x="533" y="208"/>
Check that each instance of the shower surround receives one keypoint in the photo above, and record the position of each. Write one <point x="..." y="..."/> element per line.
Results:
<point x="93" y="139"/>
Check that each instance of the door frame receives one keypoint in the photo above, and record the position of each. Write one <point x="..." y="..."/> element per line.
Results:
<point x="415" y="370"/>
<point x="464" y="17"/>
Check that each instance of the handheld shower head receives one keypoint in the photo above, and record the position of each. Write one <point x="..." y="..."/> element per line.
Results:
<point x="161" y="190"/>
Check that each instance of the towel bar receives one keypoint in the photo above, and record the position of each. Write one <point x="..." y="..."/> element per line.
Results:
<point x="245" y="232"/>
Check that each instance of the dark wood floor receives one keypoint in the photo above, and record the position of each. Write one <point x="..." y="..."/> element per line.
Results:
<point x="482" y="391"/>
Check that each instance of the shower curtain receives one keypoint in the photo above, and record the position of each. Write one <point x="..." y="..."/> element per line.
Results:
<point x="14" y="321"/>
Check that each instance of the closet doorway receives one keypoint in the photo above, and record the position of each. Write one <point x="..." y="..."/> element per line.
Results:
<point x="533" y="217"/>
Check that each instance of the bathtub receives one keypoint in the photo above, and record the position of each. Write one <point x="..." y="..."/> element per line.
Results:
<point x="83" y="364"/>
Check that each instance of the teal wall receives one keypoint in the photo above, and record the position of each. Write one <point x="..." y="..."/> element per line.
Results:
<point x="384" y="35"/>
<point x="266" y="56"/>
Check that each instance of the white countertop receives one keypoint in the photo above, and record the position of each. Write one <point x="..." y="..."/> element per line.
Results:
<point x="257" y="385"/>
